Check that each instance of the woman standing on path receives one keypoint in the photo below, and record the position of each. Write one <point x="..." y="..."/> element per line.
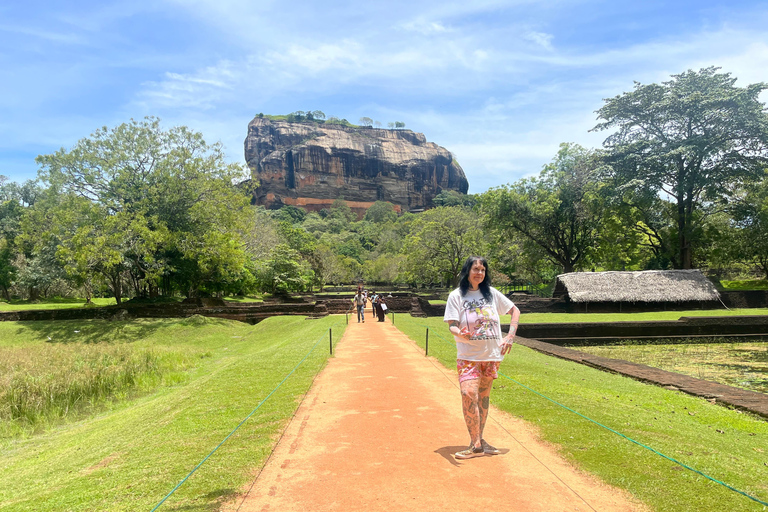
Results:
<point x="472" y="313"/>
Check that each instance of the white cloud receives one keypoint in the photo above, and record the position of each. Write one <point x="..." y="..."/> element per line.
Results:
<point x="540" y="39"/>
<point x="424" y="27"/>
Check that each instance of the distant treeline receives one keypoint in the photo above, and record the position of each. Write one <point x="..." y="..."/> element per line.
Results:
<point x="138" y="211"/>
<point x="317" y="116"/>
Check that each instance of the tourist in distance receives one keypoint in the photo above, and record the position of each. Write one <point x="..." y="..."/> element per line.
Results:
<point x="382" y="307"/>
<point x="376" y="303"/>
<point x="359" y="301"/>
<point x="472" y="313"/>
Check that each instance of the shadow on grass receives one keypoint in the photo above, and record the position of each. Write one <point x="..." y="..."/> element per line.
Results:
<point x="110" y="331"/>
<point x="214" y="501"/>
<point x="91" y="331"/>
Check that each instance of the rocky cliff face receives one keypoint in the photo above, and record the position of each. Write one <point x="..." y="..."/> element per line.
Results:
<point x="310" y="165"/>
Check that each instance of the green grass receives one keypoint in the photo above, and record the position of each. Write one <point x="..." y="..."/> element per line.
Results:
<point x="45" y="383"/>
<point x="60" y="303"/>
<point x="746" y="284"/>
<point x="726" y="444"/>
<point x="243" y="300"/>
<point x="129" y="454"/>
<point x="740" y="364"/>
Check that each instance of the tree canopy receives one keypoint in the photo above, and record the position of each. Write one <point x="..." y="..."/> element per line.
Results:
<point x="695" y="138"/>
<point x="158" y="204"/>
<point x="558" y="211"/>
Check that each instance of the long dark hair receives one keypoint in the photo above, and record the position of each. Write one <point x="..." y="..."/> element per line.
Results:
<point x="485" y="286"/>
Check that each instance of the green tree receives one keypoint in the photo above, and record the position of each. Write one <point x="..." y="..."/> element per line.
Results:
<point x="380" y="212"/>
<point x="439" y="242"/>
<point x="285" y="272"/>
<point x="454" y="198"/>
<point x="695" y="138"/>
<point x="11" y="211"/>
<point x="558" y="212"/>
<point x="290" y="214"/>
<point x="171" y="187"/>
<point x="750" y="215"/>
<point x="366" y="121"/>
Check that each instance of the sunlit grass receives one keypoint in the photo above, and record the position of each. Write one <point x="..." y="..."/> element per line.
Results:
<point x="243" y="299"/>
<point x="53" y="303"/>
<point x="131" y="453"/>
<point x="43" y="384"/>
<point x="746" y="284"/>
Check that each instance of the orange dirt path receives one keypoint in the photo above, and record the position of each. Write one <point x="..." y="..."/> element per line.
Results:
<point x="377" y="430"/>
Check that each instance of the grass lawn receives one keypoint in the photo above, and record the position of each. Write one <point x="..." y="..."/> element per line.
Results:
<point x="243" y="300"/>
<point x="725" y="444"/>
<point x="18" y="305"/>
<point x="129" y="453"/>
<point x="749" y="284"/>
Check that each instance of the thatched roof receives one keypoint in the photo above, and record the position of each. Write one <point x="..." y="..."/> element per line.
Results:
<point x="645" y="286"/>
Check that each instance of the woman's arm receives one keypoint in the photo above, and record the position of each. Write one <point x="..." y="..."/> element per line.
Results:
<point x="509" y="339"/>
<point x="453" y="326"/>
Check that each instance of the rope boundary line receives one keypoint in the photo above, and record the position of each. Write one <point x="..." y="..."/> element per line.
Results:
<point x="671" y="459"/>
<point x="245" y="419"/>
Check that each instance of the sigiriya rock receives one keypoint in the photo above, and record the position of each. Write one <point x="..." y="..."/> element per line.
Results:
<point x="310" y="164"/>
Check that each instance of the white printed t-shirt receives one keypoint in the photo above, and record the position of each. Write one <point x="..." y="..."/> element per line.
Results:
<point x="481" y="319"/>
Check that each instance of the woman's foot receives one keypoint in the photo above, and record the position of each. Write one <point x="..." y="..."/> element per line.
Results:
<point x="488" y="449"/>
<point x="469" y="453"/>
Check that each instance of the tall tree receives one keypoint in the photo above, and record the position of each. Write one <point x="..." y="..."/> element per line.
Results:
<point x="750" y="214"/>
<point x="559" y="211"/>
<point x="158" y="182"/>
<point x="440" y="241"/>
<point x="695" y="138"/>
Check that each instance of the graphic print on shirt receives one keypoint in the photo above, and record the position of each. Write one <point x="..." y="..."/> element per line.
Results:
<point x="478" y="319"/>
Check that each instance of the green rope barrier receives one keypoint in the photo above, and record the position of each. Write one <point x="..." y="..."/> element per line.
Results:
<point x="620" y="434"/>
<point x="246" y="419"/>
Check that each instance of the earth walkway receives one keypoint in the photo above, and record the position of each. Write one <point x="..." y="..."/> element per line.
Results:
<point x="377" y="432"/>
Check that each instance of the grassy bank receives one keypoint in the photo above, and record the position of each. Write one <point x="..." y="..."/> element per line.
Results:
<point x="727" y="445"/>
<point x="132" y="452"/>
<point x="22" y="305"/>
<point x="42" y="385"/>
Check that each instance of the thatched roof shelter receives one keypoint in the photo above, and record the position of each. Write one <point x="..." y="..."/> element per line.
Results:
<point x="648" y="286"/>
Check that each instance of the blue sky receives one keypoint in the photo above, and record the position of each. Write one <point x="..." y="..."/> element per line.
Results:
<point x="499" y="83"/>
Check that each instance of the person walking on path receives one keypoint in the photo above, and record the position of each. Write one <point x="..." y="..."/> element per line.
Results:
<point x="360" y="301"/>
<point x="472" y="313"/>
<point x="382" y="308"/>
<point x="376" y="303"/>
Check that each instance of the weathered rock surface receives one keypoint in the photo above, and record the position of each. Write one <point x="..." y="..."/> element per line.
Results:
<point x="310" y="165"/>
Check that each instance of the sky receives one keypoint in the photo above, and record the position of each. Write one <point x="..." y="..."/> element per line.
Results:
<point x="500" y="84"/>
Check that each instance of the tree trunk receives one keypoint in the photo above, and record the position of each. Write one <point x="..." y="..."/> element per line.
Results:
<point x="685" y="261"/>
<point x="117" y="289"/>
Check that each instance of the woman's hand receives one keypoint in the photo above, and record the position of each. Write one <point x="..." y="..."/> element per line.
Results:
<point x="509" y="340"/>
<point x="458" y="331"/>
